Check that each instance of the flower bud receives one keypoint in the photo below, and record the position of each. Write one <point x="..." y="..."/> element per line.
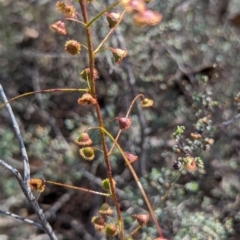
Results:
<point x="72" y="47"/>
<point x="141" y="218"/>
<point x="83" y="140"/>
<point x="199" y="162"/>
<point x="196" y="136"/>
<point x="118" y="54"/>
<point x="190" y="164"/>
<point x="59" y="27"/>
<point x="147" y="17"/>
<point x="124" y="123"/>
<point x="87" y="99"/>
<point x="36" y="184"/>
<point x="87" y="153"/>
<point x="111" y="230"/>
<point x="113" y="19"/>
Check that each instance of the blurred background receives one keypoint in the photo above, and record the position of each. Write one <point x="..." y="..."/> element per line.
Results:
<point x="188" y="64"/>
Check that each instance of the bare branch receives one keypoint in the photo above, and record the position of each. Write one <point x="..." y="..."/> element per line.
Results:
<point x="24" y="183"/>
<point x="24" y="186"/>
<point x="18" y="134"/>
<point x="22" y="219"/>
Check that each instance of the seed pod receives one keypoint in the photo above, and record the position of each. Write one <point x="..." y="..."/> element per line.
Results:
<point x="87" y="99"/>
<point x="141" y="218"/>
<point x="146" y="102"/>
<point x="106" y="184"/>
<point x="118" y="54"/>
<point x="111" y="230"/>
<point x="83" y="140"/>
<point x="105" y="210"/>
<point x="124" y="123"/>
<point x="85" y="74"/>
<point x="113" y="19"/>
<point x="72" y="47"/>
<point x="147" y="17"/>
<point x="87" y="153"/>
<point x="59" y="27"/>
<point x="130" y="157"/>
<point x="67" y="10"/>
<point x="36" y="184"/>
<point x="134" y="5"/>
<point x="98" y="222"/>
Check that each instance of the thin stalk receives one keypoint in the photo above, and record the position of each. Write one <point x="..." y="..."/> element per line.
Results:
<point x="82" y="45"/>
<point x="116" y="139"/>
<point x="133" y="101"/>
<point x="78" y="188"/>
<point x="99" y="117"/>
<point x="76" y="20"/>
<point x="110" y="32"/>
<point x="133" y="232"/>
<point x="45" y="91"/>
<point x="137" y="181"/>
<point x="88" y="24"/>
<point x="163" y="198"/>
<point x="128" y="112"/>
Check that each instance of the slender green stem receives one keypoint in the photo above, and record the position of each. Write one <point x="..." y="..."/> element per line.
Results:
<point x="101" y="13"/>
<point x="45" y="91"/>
<point x="137" y="181"/>
<point x="99" y="116"/>
<point x="78" y="188"/>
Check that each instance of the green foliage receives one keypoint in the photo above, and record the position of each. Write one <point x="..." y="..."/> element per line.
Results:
<point x="6" y="136"/>
<point x="179" y="131"/>
<point x="200" y="225"/>
<point x="192" y="186"/>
